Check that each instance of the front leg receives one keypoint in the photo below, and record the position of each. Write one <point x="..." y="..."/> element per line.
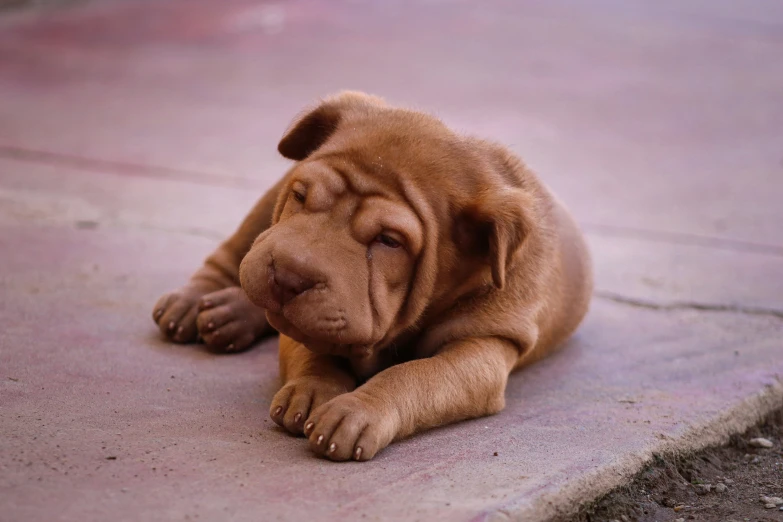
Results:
<point x="465" y="379"/>
<point x="309" y="380"/>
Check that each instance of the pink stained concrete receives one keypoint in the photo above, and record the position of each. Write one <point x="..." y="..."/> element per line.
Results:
<point x="85" y="378"/>
<point x="658" y="124"/>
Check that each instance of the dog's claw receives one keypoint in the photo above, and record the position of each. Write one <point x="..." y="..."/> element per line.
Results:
<point x="308" y="428"/>
<point x="332" y="447"/>
<point x="319" y="440"/>
<point x="278" y="410"/>
<point x="358" y="453"/>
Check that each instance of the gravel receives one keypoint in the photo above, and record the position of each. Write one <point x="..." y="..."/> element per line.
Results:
<point x="739" y="482"/>
<point x="760" y="442"/>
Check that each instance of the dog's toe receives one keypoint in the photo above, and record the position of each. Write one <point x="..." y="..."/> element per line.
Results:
<point x="348" y="428"/>
<point x="292" y="405"/>
<point x="176" y="318"/>
<point x="228" y="322"/>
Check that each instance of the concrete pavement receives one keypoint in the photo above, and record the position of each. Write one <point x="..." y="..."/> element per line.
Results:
<point x="134" y="135"/>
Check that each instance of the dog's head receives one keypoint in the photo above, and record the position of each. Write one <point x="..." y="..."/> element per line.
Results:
<point x="386" y="218"/>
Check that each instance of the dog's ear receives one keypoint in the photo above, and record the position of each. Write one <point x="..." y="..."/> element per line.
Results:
<point x="493" y="227"/>
<point x="310" y="130"/>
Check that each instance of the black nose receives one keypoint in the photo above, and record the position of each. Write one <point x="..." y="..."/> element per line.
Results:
<point x="287" y="284"/>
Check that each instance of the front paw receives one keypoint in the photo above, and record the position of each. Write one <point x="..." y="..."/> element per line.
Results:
<point x="228" y="322"/>
<point x="294" y="402"/>
<point x="175" y="313"/>
<point x="351" y="426"/>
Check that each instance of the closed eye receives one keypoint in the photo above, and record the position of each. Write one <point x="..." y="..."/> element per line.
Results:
<point x="387" y="241"/>
<point x="299" y="196"/>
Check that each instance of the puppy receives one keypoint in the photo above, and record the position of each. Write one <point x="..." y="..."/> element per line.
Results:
<point x="408" y="269"/>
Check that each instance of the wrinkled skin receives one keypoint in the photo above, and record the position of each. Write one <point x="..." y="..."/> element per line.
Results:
<point x="409" y="271"/>
<point x="334" y="270"/>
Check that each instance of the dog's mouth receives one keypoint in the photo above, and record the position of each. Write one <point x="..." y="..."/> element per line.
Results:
<point x="309" y="310"/>
<point x="285" y="286"/>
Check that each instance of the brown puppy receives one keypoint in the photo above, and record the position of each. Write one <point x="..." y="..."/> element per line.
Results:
<point x="409" y="270"/>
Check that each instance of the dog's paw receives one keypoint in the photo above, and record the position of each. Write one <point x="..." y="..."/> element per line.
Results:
<point x="297" y="399"/>
<point x="175" y="313"/>
<point x="227" y="321"/>
<point x="350" y="427"/>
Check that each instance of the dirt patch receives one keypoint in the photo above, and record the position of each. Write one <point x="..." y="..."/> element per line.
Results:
<point x="717" y="484"/>
<point x="17" y="5"/>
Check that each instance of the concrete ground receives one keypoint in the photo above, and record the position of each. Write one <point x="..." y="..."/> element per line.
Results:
<point x="134" y="135"/>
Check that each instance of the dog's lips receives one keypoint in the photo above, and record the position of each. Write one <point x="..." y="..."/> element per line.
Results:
<point x="275" y="291"/>
<point x="283" y="315"/>
<point x="275" y="298"/>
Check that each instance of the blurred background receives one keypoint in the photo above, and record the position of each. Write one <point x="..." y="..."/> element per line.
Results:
<point x="656" y="122"/>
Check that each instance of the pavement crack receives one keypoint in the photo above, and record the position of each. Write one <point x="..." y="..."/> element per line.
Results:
<point x="683" y="238"/>
<point x="688" y="305"/>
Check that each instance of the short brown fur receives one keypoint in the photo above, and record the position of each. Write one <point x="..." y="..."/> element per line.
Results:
<point x="408" y="269"/>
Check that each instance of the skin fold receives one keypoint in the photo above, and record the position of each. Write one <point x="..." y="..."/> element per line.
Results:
<point x="408" y="269"/>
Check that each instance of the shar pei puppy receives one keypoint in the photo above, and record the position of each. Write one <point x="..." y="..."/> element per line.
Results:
<point x="408" y="269"/>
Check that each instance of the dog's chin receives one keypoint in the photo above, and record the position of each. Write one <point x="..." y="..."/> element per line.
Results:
<point x="317" y="342"/>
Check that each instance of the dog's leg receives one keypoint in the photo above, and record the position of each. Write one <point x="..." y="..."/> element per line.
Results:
<point x="214" y="291"/>
<point x="310" y="380"/>
<point x="465" y="379"/>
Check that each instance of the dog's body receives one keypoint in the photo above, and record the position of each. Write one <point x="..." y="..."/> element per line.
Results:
<point x="408" y="269"/>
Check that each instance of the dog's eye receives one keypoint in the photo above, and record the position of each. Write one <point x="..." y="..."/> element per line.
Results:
<point x="299" y="196"/>
<point x="388" y="241"/>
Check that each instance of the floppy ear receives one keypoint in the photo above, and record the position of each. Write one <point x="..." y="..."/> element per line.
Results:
<point x="311" y="130"/>
<point x="493" y="227"/>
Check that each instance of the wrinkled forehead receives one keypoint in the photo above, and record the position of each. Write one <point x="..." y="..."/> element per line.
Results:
<point x="339" y="174"/>
<point x="380" y="203"/>
<point x="404" y="156"/>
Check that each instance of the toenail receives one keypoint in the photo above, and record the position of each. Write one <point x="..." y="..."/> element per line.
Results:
<point x="158" y="313"/>
<point x="180" y="329"/>
<point x="309" y="427"/>
<point x="211" y="325"/>
<point x="297" y="417"/>
<point x="332" y="447"/>
<point x="319" y="440"/>
<point x="358" y="453"/>
<point x="230" y="347"/>
<point x="171" y="325"/>
<point x="278" y="410"/>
